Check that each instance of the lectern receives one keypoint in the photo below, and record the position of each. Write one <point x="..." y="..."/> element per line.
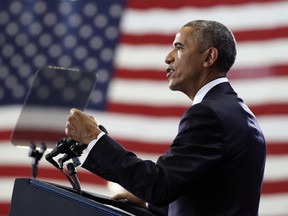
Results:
<point x="32" y="197"/>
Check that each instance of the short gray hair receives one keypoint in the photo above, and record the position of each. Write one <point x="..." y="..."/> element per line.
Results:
<point x="214" y="34"/>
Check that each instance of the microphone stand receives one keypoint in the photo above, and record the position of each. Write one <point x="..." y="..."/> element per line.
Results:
<point x="72" y="177"/>
<point x="71" y="150"/>
<point x="73" y="173"/>
<point x="36" y="156"/>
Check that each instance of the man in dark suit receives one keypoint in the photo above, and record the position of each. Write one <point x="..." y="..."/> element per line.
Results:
<point x="215" y="164"/>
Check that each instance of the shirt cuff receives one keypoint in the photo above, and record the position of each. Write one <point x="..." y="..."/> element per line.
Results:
<point x="93" y="142"/>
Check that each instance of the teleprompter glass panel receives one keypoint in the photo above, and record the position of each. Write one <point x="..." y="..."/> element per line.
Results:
<point x="54" y="91"/>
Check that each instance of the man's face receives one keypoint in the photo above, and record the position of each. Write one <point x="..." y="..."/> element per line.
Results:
<point x="185" y="63"/>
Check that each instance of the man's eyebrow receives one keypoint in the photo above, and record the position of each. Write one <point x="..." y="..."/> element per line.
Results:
<point x="178" y="44"/>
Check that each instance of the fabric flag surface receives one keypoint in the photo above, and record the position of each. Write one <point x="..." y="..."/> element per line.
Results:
<point x="125" y="43"/>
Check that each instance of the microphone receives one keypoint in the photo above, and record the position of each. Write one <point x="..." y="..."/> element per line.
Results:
<point x="70" y="148"/>
<point x="103" y="129"/>
<point x="62" y="147"/>
<point x="75" y="151"/>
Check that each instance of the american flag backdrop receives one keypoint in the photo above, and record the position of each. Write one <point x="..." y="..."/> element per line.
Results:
<point x="126" y="42"/>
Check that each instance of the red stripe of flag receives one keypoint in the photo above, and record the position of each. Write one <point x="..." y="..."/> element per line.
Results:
<point x="269" y="187"/>
<point x="273" y="147"/>
<point x="172" y="4"/>
<point x="244" y="73"/>
<point x="273" y="187"/>
<point x="176" y="111"/>
<point x="241" y="36"/>
<point x="5" y="206"/>
<point x="5" y="134"/>
<point x="52" y="173"/>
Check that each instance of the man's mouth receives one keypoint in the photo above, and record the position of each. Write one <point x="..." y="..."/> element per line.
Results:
<point x="169" y="70"/>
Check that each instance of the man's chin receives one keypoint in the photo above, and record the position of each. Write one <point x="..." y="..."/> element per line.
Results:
<point x="171" y="88"/>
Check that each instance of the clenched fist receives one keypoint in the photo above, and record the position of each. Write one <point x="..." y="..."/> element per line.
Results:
<point x="81" y="126"/>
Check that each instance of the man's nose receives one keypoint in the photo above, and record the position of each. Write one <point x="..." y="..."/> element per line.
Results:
<point x="169" y="59"/>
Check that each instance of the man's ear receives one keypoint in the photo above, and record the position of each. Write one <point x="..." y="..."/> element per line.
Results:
<point x="211" y="56"/>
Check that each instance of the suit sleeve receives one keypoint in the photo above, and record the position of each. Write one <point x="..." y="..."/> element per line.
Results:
<point x="193" y="155"/>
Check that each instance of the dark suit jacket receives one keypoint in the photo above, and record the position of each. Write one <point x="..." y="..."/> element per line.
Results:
<point x="214" y="166"/>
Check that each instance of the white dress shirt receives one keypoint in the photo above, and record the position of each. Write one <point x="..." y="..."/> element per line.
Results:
<point x="203" y="91"/>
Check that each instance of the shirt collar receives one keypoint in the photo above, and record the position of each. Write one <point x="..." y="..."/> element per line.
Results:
<point x="203" y="91"/>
